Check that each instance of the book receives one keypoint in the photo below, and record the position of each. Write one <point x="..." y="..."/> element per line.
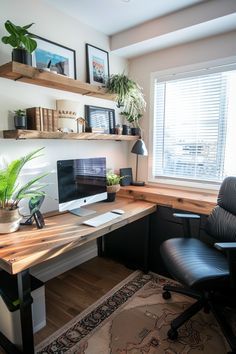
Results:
<point x="33" y="118"/>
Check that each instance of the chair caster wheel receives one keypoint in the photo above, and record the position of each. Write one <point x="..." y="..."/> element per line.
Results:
<point x="172" y="334"/>
<point x="166" y="295"/>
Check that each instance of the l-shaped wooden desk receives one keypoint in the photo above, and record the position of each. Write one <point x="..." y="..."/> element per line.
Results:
<point x="30" y="246"/>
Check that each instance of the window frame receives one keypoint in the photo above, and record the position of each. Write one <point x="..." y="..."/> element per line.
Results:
<point x="185" y="71"/>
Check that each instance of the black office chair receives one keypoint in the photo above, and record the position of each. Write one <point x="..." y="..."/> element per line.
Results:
<point x="207" y="272"/>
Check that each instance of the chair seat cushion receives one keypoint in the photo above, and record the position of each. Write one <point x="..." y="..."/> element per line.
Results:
<point x="195" y="264"/>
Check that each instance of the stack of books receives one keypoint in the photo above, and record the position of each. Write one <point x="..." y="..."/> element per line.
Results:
<point x="42" y="119"/>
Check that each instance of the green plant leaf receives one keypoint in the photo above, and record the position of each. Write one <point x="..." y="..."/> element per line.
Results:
<point x="26" y="188"/>
<point x="28" y="26"/>
<point x="29" y="43"/>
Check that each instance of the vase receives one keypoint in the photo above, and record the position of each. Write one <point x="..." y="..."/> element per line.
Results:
<point x="111" y="192"/>
<point x="22" y="56"/>
<point x="136" y="131"/>
<point x="9" y="220"/>
<point x="20" y="122"/>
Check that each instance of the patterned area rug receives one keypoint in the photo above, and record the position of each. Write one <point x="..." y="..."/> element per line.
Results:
<point x="133" y="318"/>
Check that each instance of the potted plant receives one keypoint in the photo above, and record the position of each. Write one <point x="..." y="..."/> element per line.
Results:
<point x="22" y="42"/>
<point x="20" y="119"/>
<point x="113" y="185"/>
<point x="11" y="192"/>
<point x="134" y="121"/>
<point x="128" y="93"/>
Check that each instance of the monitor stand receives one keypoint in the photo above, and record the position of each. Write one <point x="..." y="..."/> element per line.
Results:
<point x="82" y="211"/>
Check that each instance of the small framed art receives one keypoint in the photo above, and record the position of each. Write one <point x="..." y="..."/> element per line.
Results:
<point x="54" y="57"/>
<point x="100" y="119"/>
<point x="97" y="65"/>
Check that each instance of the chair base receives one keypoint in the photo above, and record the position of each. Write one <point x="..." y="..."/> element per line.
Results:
<point x="206" y="301"/>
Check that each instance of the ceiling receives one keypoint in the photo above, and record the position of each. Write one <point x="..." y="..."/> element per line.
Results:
<point x="112" y="16"/>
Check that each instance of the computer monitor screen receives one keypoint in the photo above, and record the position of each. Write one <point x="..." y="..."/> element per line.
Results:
<point x="81" y="182"/>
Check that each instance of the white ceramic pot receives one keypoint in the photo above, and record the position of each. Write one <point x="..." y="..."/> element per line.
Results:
<point x="9" y="220"/>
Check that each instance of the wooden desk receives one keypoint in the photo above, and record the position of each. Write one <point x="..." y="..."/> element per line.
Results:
<point x="30" y="246"/>
<point x="194" y="201"/>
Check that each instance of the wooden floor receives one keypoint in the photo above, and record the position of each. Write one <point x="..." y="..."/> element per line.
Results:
<point x="72" y="292"/>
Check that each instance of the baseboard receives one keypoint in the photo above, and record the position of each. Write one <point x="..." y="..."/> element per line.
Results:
<point x="61" y="264"/>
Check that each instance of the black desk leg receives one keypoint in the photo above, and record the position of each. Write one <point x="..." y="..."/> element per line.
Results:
<point x="24" y="293"/>
<point x="146" y="246"/>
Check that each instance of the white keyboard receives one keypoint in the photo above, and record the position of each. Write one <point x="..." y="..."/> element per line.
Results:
<point x="101" y="219"/>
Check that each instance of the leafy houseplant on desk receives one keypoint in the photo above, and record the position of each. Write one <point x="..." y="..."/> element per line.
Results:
<point x="22" y="42"/>
<point x="11" y="193"/>
<point x="113" y="186"/>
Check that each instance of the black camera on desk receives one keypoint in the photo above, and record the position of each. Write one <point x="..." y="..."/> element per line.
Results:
<point x="35" y="214"/>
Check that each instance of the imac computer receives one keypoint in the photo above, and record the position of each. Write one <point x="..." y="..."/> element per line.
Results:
<point x="81" y="182"/>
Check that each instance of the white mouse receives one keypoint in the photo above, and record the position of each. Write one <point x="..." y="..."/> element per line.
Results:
<point x="118" y="211"/>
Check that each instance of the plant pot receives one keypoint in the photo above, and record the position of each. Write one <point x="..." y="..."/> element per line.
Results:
<point x="136" y="131"/>
<point x="20" y="122"/>
<point x="9" y="220"/>
<point x="22" y="56"/>
<point x="111" y="192"/>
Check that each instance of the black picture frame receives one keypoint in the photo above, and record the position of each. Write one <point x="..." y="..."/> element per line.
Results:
<point x="48" y="51"/>
<point x="101" y="118"/>
<point x="97" y="63"/>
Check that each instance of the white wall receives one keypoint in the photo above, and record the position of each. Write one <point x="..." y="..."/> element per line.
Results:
<point x="60" y="28"/>
<point x="222" y="47"/>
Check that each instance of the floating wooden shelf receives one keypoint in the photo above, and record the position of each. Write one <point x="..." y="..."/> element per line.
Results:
<point x="24" y="73"/>
<point x="35" y="134"/>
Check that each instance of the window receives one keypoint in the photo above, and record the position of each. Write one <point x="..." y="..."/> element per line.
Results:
<point x="194" y="130"/>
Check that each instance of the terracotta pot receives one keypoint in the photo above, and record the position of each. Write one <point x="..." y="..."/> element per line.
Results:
<point x="113" y="189"/>
<point x="9" y="220"/>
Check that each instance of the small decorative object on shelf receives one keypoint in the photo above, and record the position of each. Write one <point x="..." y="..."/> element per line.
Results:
<point x="11" y="193"/>
<point x="20" y="119"/>
<point x="22" y="42"/>
<point x="68" y="112"/>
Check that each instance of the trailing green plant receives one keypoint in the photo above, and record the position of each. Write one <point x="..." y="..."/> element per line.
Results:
<point x="10" y="191"/>
<point x="20" y="112"/>
<point x="128" y="94"/>
<point x="19" y="37"/>
<point x="113" y="178"/>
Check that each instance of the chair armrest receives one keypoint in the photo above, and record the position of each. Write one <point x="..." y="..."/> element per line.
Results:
<point x="186" y="221"/>
<point x="225" y="246"/>
<point x="230" y="249"/>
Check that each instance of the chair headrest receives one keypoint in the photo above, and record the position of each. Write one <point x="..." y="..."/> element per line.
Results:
<point x="227" y="195"/>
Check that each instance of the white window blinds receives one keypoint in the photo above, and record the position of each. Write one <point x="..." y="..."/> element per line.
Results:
<point x="190" y="126"/>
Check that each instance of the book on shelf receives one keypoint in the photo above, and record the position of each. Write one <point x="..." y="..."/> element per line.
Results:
<point x="43" y="119"/>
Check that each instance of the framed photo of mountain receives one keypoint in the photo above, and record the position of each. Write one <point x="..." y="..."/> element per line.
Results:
<point x="54" y="57"/>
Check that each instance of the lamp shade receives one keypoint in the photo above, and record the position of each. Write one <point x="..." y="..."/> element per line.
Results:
<point x="139" y="148"/>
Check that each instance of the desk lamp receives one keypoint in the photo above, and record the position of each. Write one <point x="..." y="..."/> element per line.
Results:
<point x="139" y="148"/>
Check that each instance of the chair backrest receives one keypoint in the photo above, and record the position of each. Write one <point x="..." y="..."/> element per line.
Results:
<point x="221" y="223"/>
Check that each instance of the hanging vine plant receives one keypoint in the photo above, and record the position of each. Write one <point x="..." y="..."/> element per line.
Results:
<point x="128" y="94"/>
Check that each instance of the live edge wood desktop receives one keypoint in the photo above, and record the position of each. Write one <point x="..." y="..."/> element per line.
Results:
<point x="30" y="246"/>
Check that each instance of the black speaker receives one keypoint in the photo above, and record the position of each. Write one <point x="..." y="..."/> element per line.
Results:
<point x="127" y="179"/>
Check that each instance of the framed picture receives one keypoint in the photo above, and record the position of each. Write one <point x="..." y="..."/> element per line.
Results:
<point x="97" y="65"/>
<point x="54" y="56"/>
<point x="100" y="119"/>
